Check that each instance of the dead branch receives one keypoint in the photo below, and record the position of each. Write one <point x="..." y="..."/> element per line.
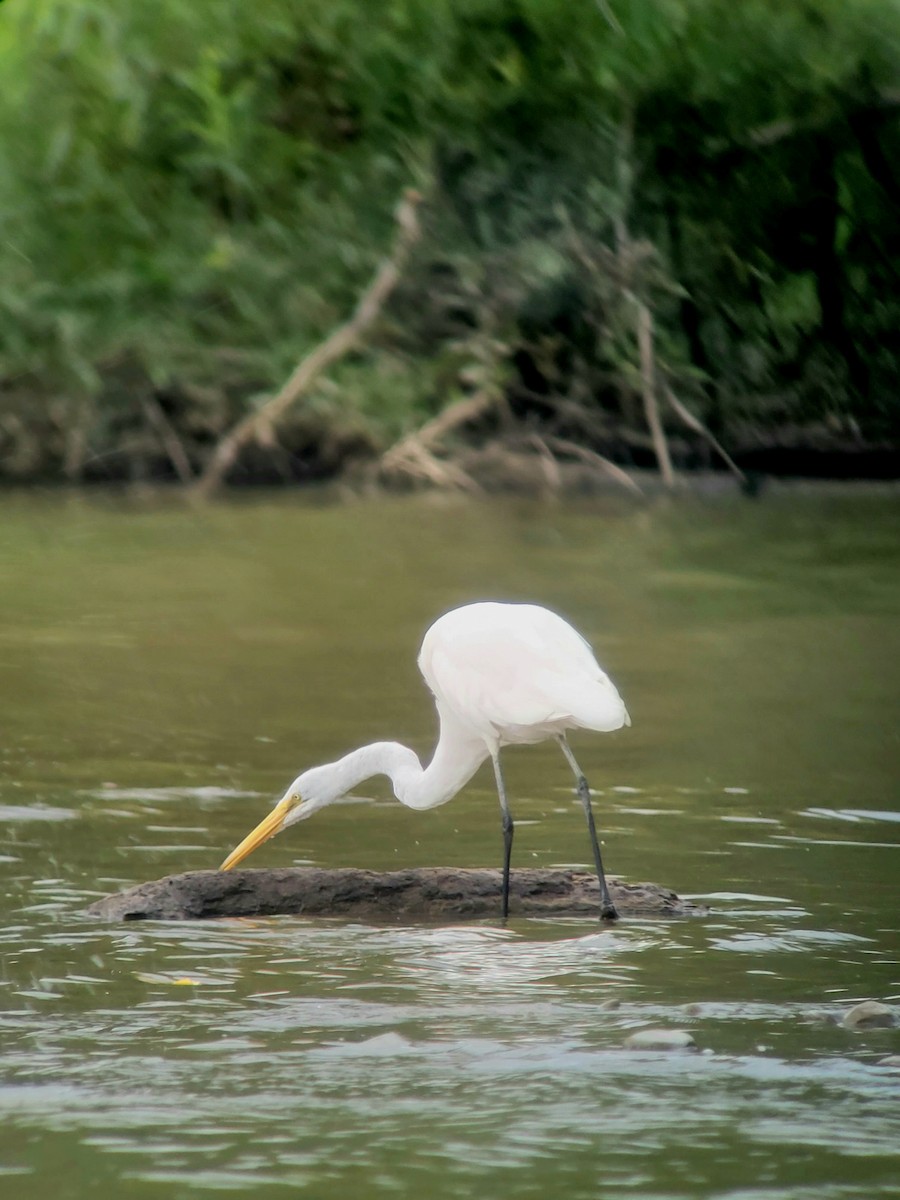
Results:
<point x="170" y="440"/>
<point x="453" y="417"/>
<point x="623" y="268"/>
<point x="697" y="425"/>
<point x="548" y="462"/>
<point x="413" y="455"/>
<point x="564" y="446"/>
<point x="412" y="459"/>
<point x="335" y="346"/>
<point x="648" y="387"/>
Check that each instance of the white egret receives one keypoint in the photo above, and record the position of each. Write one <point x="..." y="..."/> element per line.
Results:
<point x="501" y="674"/>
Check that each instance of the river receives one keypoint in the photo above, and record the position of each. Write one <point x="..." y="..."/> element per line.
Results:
<point x="166" y="672"/>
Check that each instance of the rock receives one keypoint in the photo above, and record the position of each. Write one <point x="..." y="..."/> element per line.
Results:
<point x="870" y="1014"/>
<point x="661" y="1039"/>
<point x="423" y="893"/>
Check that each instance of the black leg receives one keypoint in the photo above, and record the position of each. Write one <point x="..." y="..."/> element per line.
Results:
<point x="607" y="908"/>
<point x="508" y="830"/>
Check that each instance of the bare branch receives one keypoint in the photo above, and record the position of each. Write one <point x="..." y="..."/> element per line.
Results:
<point x="453" y="417"/>
<point x="549" y="466"/>
<point x="170" y="440"/>
<point x="335" y="346"/>
<point x="564" y="446"/>
<point x="412" y="459"/>
<point x="697" y="425"/>
<point x="648" y="387"/>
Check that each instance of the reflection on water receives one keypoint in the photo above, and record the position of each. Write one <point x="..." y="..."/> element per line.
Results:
<point x="168" y="672"/>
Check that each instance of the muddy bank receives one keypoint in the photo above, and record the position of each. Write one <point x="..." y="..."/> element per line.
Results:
<point x="41" y="448"/>
<point x="424" y="893"/>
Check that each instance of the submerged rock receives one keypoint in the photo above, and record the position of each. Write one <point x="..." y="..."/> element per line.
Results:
<point x="422" y="893"/>
<point x="661" y="1039"/>
<point x="870" y="1014"/>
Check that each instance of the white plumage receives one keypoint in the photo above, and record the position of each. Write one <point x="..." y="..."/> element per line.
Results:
<point x="517" y="673"/>
<point x="501" y="674"/>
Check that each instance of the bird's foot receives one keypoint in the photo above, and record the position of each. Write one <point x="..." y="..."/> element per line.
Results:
<point x="609" y="912"/>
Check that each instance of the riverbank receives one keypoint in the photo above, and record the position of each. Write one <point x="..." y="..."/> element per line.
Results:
<point x="531" y="469"/>
<point x="519" y="462"/>
<point x="387" y="243"/>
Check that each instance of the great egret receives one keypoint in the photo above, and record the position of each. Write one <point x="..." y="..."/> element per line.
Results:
<point x="501" y="674"/>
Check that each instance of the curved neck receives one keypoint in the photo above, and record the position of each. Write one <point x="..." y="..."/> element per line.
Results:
<point x="457" y="757"/>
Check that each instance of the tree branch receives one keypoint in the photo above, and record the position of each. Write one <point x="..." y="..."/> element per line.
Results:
<point x="459" y="413"/>
<point x="592" y="458"/>
<point x="170" y="440"/>
<point x="412" y="459"/>
<point x="697" y="425"/>
<point x="335" y="346"/>
<point x="648" y="387"/>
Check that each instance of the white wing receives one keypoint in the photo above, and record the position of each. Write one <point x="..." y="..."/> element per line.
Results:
<point x="517" y="673"/>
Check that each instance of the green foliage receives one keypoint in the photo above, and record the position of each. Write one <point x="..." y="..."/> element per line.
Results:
<point x="195" y="193"/>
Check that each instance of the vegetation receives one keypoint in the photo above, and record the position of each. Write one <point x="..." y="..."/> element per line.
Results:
<point x="195" y="194"/>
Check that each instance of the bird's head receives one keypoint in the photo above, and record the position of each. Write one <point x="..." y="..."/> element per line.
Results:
<point x="310" y="791"/>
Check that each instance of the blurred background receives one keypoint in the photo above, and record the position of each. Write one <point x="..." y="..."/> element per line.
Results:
<point x="194" y="195"/>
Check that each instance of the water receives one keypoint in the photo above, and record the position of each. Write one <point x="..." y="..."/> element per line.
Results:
<point x="167" y="672"/>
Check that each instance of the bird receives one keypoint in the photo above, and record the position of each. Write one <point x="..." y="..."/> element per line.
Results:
<point x="501" y="674"/>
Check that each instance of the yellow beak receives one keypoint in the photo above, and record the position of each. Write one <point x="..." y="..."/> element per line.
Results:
<point x="267" y="828"/>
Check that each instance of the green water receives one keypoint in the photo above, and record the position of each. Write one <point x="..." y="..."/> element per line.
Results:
<point x="166" y="673"/>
